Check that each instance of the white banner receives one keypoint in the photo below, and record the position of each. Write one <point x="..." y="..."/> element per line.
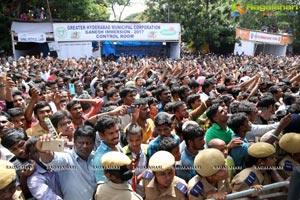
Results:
<point x="104" y="31"/>
<point x="32" y="37"/>
<point x="264" y="37"/>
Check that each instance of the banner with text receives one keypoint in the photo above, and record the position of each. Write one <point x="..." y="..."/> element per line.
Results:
<point x="32" y="37"/>
<point x="104" y="31"/>
<point x="264" y="37"/>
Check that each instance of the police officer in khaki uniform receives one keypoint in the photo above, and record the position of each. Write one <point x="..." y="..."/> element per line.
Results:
<point x="8" y="188"/>
<point x="161" y="183"/>
<point x="212" y="178"/>
<point x="261" y="161"/>
<point x="116" y="171"/>
<point x="290" y="143"/>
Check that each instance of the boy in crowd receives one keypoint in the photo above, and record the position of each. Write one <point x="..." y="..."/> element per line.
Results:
<point x="136" y="151"/>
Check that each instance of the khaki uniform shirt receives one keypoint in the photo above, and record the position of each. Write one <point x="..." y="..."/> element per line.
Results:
<point x="249" y="177"/>
<point x="287" y="164"/>
<point x="114" y="191"/>
<point x="177" y="190"/>
<point x="199" y="188"/>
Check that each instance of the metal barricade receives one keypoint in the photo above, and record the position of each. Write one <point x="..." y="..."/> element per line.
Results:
<point x="253" y="191"/>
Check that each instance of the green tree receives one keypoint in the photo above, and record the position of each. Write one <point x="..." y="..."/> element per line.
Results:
<point x="202" y="21"/>
<point x="114" y="5"/>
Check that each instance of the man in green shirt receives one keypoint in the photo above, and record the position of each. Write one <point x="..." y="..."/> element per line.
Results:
<point x="219" y="116"/>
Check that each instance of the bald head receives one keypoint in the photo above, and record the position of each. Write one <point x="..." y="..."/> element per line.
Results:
<point x="219" y="144"/>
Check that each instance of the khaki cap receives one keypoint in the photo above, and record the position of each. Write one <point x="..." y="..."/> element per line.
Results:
<point x="290" y="142"/>
<point x="115" y="159"/>
<point x="7" y="173"/>
<point x="161" y="161"/>
<point x="261" y="150"/>
<point x="209" y="161"/>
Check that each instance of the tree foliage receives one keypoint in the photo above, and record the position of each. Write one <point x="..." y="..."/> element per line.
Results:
<point x="203" y="21"/>
<point x="114" y="5"/>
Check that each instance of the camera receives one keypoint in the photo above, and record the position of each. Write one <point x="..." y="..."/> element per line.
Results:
<point x="130" y="109"/>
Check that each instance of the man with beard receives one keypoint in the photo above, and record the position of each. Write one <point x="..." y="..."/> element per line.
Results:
<point x="15" y="140"/>
<point x="74" y="167"/>
<point x="141" y="117"/>
<point x="41" y="111"/>
<point x="108" y="129"/>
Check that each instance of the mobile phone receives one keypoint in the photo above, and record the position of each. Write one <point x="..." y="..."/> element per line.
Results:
<point x="56" y="145"/>
<point x="50" y="127"/>
<point x="130" y="110"/>
<point x="72" y="88"/>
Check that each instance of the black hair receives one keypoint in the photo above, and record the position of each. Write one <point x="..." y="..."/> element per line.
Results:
<point x="14" y="112"/>
<point x="182" y="91"/>
<point x="169" y="107"/>
<point x="9" y="118"/>
<point x="71" y="104"/>
<point x="125" y="91"/>
<point x="110" y="93"/>
<point x="133" y="129"/>
<point x="31" y="143"/>
<point x="58" y="115"/>
<point x="40" y="105"/>
<point x="167" y="144"/>
<point x="12" y="137"/>
<point x="85" y="131"/>
<point x="177" y="104"/>
<point x="191" y="99"/>
<point x="105" y="122"/>
<point x="208" y="82"/>
<point x="212" y="111"/>
<point x="288" y="98"/>
<point x="191" y="132"/>
<point x="266" y="101"/>
<point x="236" y="120"/>
<point x="17" y="93"/>
<point x="193" y="84"/>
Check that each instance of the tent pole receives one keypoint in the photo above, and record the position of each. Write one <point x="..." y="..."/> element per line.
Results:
<point x="13" y="44"/>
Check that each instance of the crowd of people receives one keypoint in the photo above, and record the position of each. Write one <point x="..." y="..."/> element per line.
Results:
<point x="198" y="127"/>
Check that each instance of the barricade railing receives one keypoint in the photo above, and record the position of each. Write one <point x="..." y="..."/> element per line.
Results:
<point x="253" y="191"/>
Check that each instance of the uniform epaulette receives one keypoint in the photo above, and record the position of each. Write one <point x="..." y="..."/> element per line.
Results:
<point x="196" y="189"/>
<point x="288" y="166"/>
<point x="250" y="179"/>
<point x="148" y="175"/>
<point x="182" y="188"/>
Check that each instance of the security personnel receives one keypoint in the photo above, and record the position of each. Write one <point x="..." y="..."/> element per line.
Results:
<point x="8" y="188"/>
<point x="261" y="161"/>
<point x="212" y="178"/>
<point x="116" y="171"/>
<point x="289" y="142"/>
<point x="161" y="183"/>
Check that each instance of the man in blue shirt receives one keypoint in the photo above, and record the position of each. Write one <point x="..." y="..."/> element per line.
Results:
<point x="75" y="171"/>
<point x="194" y="139"/>
<point x="108" y="129"/>
<point x="163" y="124"/>
<point x="43" y="183"/>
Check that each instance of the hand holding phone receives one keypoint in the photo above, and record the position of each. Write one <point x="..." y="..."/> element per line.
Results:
<point x="56" y="145"/>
